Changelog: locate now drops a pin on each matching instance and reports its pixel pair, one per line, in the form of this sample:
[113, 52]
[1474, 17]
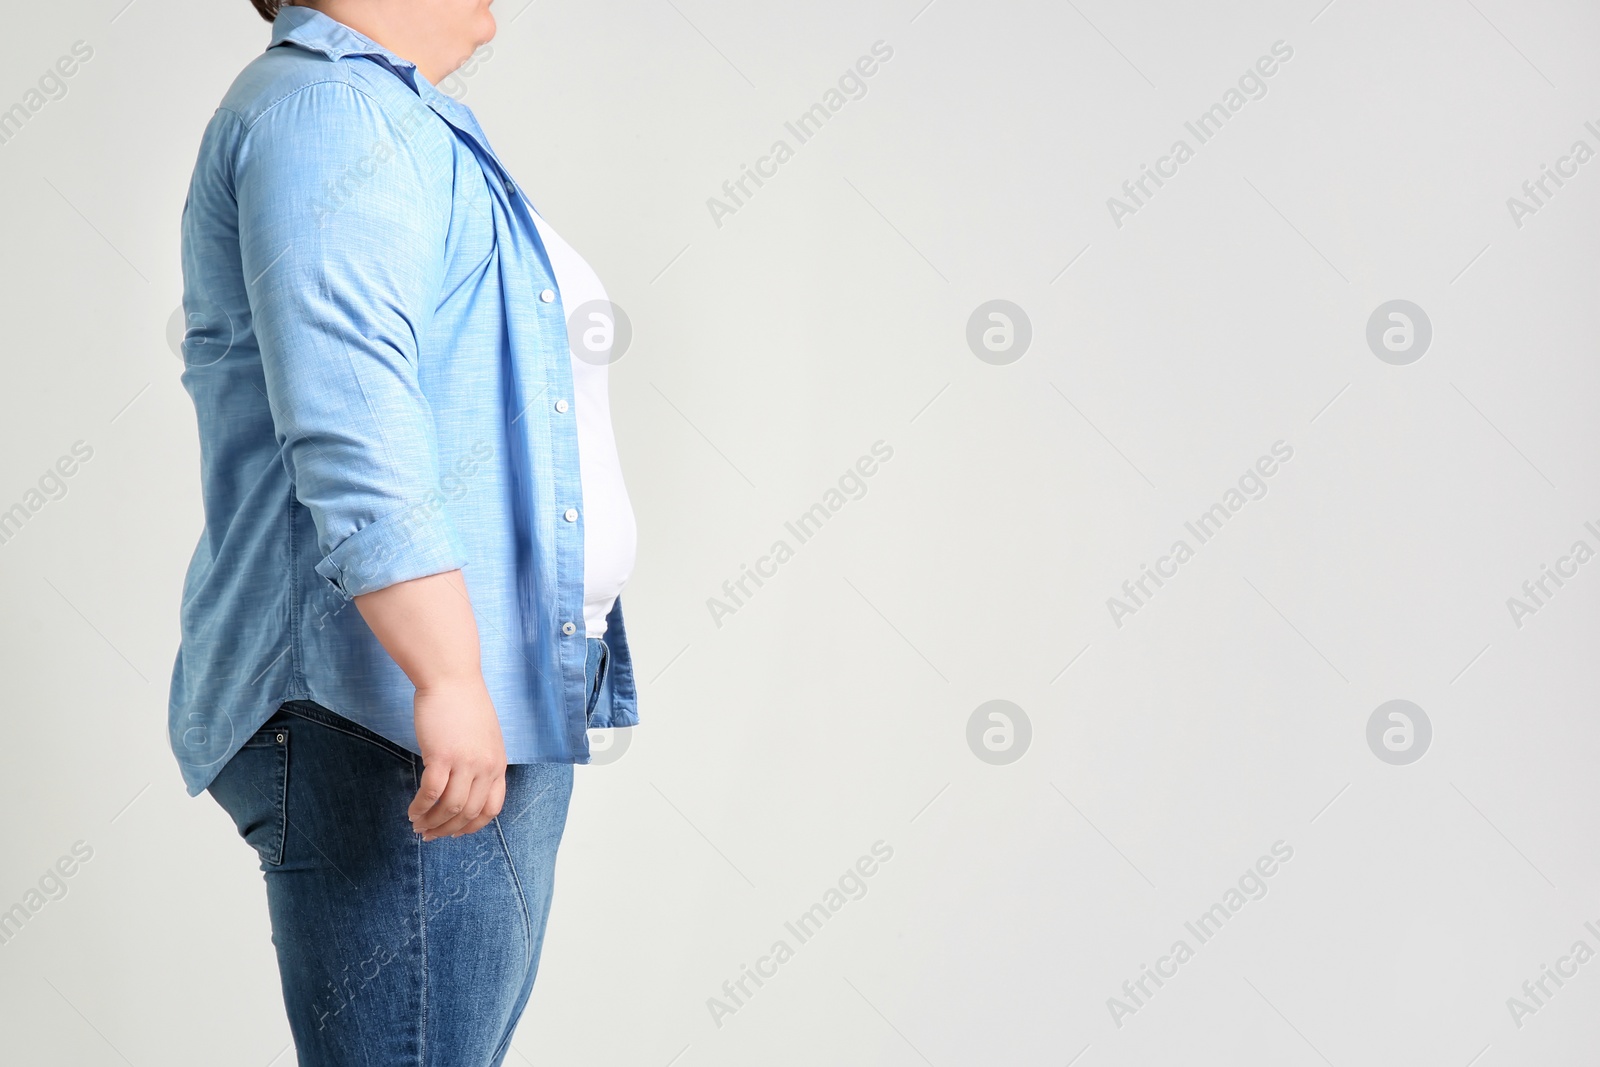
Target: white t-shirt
[610, 538]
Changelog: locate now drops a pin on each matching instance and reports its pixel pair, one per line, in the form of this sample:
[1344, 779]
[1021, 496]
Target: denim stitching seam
[522, 896]
[283, 801]
[527, 923]
[422, 940]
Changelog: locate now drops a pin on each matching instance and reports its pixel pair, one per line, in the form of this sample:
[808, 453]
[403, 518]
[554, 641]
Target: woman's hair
[267, 9]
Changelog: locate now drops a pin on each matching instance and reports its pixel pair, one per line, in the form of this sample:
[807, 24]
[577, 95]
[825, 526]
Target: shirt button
[571, 515]
[548, 295]
[568, 629]
[561, 406]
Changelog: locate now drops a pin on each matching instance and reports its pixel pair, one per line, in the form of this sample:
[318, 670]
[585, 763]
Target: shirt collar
[310, 29]
[316, 32]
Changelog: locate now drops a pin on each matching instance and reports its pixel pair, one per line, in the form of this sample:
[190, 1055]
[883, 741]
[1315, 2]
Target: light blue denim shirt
[378, 357]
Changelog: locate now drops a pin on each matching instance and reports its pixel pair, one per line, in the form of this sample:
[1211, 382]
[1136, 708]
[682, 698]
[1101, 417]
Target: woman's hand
[427, 626]
[464, 760]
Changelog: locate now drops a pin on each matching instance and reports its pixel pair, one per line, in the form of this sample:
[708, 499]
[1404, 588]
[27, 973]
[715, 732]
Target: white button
[568, 629]
[548, 295]
[571, 515]
[561, 406]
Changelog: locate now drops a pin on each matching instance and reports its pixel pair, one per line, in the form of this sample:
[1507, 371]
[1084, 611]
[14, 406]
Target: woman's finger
[477, 797]
[496, 801]
[451, 803]
[435, 777]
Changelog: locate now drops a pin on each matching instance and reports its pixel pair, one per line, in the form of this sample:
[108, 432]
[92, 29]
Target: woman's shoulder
[322, 88]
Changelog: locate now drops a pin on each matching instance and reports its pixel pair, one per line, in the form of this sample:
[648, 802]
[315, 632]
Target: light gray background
[831, 711]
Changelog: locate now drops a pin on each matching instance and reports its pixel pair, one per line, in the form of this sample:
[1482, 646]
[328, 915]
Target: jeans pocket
[604, 660]
[253, 789]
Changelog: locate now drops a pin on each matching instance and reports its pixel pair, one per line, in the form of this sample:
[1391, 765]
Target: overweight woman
[402, 616]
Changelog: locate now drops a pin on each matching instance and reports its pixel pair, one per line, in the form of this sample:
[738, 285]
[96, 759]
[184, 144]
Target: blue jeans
[393, 950]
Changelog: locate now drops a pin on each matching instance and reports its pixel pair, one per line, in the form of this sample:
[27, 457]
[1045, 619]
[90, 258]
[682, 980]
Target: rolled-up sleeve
[344, 211]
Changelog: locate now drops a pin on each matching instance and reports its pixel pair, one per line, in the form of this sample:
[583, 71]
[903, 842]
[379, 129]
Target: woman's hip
[391, 948]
